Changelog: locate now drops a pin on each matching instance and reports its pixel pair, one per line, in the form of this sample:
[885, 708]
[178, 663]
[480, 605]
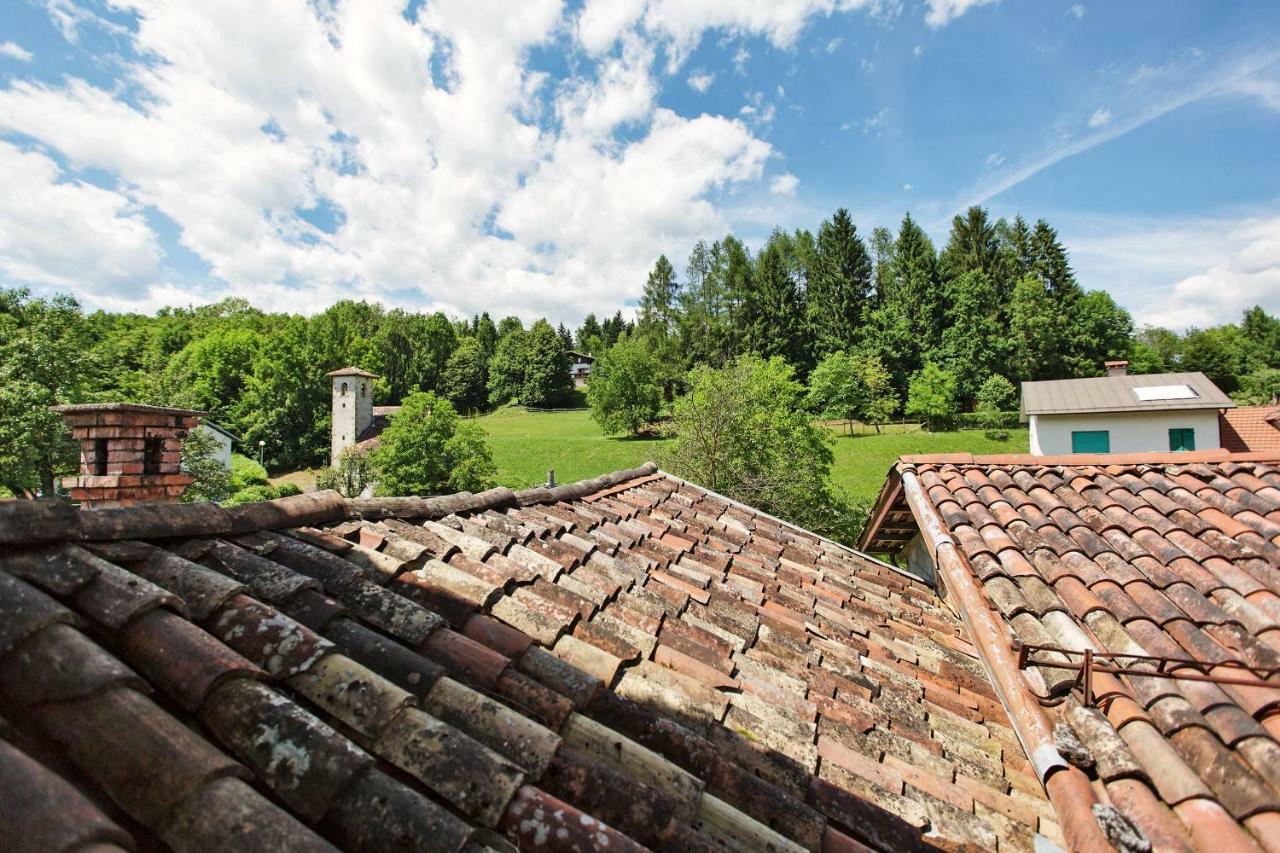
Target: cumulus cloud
[457, 177]
[56, 231]
[1078, 10]
[939, 13]
[1181, 272]
[784, 184]
[15, 51]
[1101, 117]
[700, 80]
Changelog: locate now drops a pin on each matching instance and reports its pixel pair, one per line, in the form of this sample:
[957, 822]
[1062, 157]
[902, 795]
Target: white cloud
[1101, 117]
[15, 51]
[907, 188]
[1180, 272]
[875, 123]
[834, 45]
[432, 140]
[757, 110]
[867, 65]
[700, 81]
[1149, 94]
[994, 159]
[784, 184]
[939, 13]
[740, 57]
[56, 231]
[68, 16]
[1078, 10]
[918, 50]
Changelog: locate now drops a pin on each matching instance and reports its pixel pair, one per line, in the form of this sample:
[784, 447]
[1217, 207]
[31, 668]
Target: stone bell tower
[352, 407]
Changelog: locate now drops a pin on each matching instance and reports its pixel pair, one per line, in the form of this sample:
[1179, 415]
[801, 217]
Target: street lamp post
[261, 445]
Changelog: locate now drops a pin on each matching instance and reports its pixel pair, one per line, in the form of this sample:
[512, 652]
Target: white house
[1119, 413]
[224, 438]
[580, 369]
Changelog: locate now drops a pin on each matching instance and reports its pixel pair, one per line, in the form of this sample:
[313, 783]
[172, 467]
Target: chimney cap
[140, 408]
[1120, 363]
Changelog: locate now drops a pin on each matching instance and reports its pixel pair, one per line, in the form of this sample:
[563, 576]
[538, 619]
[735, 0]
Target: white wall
[223, 453]
[1131, 432]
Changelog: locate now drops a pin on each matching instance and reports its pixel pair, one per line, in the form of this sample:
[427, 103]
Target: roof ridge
[34, 522]
[1077, 459]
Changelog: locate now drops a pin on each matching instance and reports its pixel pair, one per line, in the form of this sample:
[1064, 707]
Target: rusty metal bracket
[1087, 662]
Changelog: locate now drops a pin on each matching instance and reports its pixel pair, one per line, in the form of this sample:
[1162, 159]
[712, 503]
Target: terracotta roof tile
[1176, 558]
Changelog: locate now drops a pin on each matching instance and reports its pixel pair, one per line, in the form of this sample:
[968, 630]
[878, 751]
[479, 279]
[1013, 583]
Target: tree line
[872, 327]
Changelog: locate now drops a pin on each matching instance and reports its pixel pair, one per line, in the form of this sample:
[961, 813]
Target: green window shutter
[1091, 441]
[1182, 438]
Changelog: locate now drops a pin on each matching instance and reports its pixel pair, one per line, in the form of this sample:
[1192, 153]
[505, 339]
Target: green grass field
[526, 444]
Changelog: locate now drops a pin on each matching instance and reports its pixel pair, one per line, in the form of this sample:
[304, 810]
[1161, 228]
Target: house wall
[223, 453]
[1131, 432]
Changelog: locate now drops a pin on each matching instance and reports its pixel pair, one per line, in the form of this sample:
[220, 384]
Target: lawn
[526, 444]
[862, 461]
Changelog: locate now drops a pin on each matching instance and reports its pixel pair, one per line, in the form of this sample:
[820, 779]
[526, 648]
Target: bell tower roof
[352, 371]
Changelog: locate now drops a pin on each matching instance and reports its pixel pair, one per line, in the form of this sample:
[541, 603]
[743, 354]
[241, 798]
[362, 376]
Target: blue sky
[534, 159]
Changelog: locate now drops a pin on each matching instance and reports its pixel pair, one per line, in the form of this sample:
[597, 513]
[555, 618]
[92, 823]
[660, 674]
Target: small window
[99, 457]
[152, 455]
[344, 389]
[1091, 441]
[1182, 438]
[362, 389]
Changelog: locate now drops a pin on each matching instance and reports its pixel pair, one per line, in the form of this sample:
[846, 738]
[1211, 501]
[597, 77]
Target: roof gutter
[1068, 789]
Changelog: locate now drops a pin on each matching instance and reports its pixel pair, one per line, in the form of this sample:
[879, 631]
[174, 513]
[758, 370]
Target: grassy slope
[526, 444]
[863, 461]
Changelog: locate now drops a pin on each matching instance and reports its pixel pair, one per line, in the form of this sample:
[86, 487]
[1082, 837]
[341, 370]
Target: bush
[742, 431]
[352, 475]
[986, 420]
[245, 472]
[997, 435]
[427, 449]
[251, 494]
[997, 394]
[287, 490]
[931, 396]
[212, 481]
[624, 391]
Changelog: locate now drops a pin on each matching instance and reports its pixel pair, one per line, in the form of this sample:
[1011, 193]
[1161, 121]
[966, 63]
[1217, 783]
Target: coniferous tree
[838, 292]
[973, 245]
[775, 307]
[590, 334]
[486, 335]
[566, 336]
[658, 305]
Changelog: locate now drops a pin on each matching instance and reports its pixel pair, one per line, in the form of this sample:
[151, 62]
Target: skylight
[1165, 392]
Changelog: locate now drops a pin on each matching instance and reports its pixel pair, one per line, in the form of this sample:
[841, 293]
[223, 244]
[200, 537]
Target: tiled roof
[627, 661]
[368, 437]
[1175, 556]
[1250, 428]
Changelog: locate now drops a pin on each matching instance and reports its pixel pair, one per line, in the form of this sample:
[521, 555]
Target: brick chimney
[1116, 368]
[129, 453]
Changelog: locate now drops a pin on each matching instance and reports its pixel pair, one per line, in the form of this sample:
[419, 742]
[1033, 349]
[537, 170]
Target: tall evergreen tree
[658, 304]
[917, 292]
[882, 257]
[566, 336]
[973, 341]
[839, 289]
[973, 245]
[486, 335]
[1049, 264]
[590, 334]
[775, 307]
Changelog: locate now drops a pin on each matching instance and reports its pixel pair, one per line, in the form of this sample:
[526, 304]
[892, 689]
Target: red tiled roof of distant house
[1250, 428]
[631, 660]
[1175, 556]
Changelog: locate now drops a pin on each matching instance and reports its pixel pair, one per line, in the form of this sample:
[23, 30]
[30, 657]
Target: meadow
[525, 444]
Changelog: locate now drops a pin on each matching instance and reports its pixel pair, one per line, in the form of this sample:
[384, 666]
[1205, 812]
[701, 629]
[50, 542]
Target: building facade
[352, 411]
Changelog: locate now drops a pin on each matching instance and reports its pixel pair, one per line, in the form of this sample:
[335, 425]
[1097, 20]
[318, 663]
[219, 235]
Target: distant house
[1250, 429]
[1119, 413]
[224, 437]
[580, 370]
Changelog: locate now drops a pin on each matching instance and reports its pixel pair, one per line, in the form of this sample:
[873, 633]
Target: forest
[999, 300]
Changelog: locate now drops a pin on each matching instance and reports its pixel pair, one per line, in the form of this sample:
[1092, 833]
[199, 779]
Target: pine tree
[566, 336]
[775, 309]
[658, 305]
[590, 334]
[973, 245]
[917, 292]
[882, 255]
[1049, 264]
[838, 291]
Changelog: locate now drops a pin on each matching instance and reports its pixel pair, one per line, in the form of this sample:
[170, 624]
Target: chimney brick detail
[129, 453]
